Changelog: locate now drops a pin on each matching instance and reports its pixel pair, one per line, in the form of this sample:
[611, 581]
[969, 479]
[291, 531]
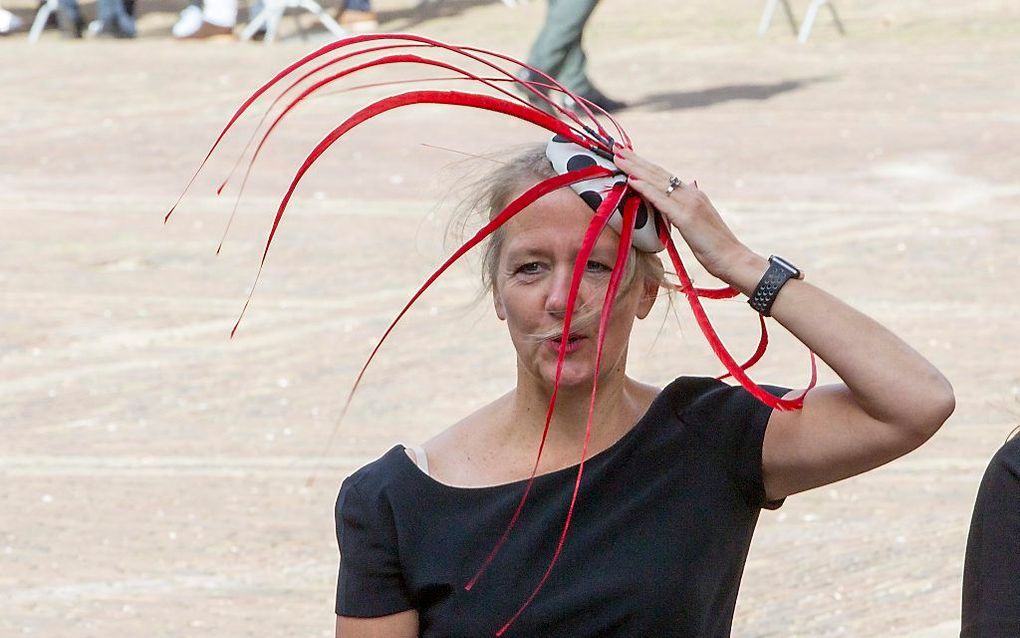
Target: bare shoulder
[455, 453]
[473, 428]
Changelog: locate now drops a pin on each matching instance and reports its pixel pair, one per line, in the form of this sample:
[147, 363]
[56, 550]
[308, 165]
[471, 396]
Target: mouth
[574, 341]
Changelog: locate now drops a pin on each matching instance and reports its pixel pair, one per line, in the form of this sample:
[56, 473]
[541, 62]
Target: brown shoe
[358, 21]
[210, 32]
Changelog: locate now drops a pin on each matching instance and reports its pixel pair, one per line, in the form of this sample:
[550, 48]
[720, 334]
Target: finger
[633, 164]
[635, 160]
[657, 197]
[644, 171]
[650, 166]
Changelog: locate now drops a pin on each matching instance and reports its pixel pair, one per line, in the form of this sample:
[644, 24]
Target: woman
[676, 477]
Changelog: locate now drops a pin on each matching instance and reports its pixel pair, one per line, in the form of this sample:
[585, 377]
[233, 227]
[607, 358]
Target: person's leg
[113, 19]
[557, 51]
[560, 40]
[573, 71]
[69, 18]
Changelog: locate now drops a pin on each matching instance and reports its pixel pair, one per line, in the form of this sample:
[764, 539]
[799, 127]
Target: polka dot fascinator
[566, 156]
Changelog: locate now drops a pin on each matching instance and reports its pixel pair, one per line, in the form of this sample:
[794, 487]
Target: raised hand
[688, 209]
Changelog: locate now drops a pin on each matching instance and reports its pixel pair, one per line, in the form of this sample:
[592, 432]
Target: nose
[558, 292]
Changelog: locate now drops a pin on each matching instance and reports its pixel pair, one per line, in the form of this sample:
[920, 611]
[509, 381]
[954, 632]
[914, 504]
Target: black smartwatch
[780, 271]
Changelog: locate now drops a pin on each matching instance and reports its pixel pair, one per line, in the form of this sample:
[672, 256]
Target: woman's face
[532, 284]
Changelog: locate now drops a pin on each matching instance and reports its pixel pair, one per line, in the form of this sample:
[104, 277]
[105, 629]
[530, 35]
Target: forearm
[888, 379]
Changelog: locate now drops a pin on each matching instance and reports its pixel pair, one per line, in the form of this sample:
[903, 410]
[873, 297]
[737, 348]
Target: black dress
[991, 570]
[657, 545]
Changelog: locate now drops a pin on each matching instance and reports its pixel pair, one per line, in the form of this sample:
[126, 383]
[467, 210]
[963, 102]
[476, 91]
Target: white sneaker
[9, 22]
[188, 23]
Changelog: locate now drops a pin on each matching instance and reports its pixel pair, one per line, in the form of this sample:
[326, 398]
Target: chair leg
[809, 20]
[835, 18]
[272, 14]
[327, 20]
[790, 20]
[812, 13]
[770, 10]
[766, 17]
[41, 16]
[273, 23]
[253, 25]
[256, 23]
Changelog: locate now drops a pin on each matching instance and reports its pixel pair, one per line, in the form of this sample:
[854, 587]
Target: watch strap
[779, 272]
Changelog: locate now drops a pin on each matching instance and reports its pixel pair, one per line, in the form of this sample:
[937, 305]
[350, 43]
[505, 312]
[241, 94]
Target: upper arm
[831, 438]
[400, 625]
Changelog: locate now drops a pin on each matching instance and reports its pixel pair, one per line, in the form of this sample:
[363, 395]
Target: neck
[615, 409]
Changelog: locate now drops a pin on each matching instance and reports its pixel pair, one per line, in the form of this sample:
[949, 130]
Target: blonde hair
[490, 194]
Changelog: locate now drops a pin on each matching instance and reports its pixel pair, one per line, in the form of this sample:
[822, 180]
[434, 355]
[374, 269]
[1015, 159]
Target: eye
[598, 267]
[530, 268]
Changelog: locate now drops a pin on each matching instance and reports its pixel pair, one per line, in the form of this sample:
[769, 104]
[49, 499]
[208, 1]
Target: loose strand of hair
[598, 223]
[623, 252]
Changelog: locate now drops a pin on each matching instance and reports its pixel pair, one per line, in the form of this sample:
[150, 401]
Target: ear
[649, 293]
[497, 302]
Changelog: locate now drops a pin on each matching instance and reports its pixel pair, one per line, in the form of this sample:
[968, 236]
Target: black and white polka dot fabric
[567, 156]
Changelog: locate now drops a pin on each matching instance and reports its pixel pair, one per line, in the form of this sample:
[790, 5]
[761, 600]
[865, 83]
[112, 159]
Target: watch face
[795, 273]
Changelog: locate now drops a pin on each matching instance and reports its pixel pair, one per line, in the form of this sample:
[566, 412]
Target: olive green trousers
[557, 49]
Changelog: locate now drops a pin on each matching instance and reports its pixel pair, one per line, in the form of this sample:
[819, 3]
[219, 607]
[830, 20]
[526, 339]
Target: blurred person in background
[991, 569]
[114, 19]
[357, 16]
[209, 20]
[216, 19]
[557, 51]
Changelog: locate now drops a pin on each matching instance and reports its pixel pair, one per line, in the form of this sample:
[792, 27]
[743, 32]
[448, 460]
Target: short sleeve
[733, 422]
[370, 582]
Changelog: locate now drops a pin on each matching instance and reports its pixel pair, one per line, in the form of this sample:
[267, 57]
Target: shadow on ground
[419, 12]
[678, 100]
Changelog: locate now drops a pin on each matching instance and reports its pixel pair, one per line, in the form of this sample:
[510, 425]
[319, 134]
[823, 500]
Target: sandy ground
[153, 471]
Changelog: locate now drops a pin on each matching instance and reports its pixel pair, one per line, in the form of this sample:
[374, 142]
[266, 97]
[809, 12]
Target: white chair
[770, 9]
[812, 13]
[804, 31]
[41, 16]
[273, 10]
